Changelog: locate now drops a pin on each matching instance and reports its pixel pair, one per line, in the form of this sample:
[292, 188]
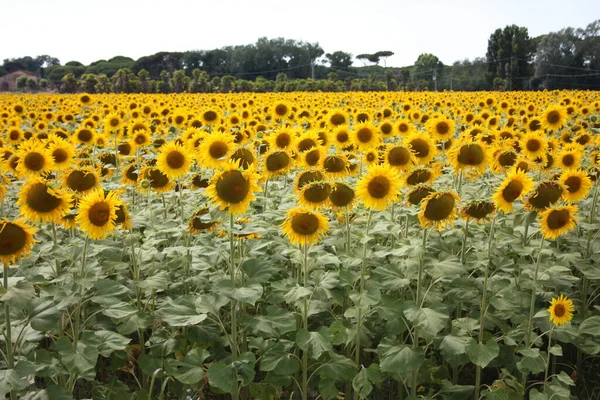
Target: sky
[87, 31]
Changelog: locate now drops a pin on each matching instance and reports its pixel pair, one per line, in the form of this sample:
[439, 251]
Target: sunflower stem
[9, 349]
[234, 350]
[463, 251]
[393, 236]
[460, 181]
[347, 218]
[483, 309]
[549, 357]
[181, 202]
[77, 326]
[362, 289]
[531, 310]
[305, 324]
[415, 343]
[138, 295]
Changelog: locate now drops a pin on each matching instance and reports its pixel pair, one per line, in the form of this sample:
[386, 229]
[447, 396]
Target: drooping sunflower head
[335, 166]
[577, 184]
[421, 175]
[16, 240]
[556, 221]
[342, 196]
[561, 310]
[200, 222]
[304, 227]
[438, 210]
[39, 202]
[81, 180]
[277, 163]
[174, 160]
[379, 187]
[516, 184]
[315, 195]
[233, 189]
[418, 193]
[478, 210]
[156, 180]
[97, 213]
[306, 177]
[245, 157]
[545, 194]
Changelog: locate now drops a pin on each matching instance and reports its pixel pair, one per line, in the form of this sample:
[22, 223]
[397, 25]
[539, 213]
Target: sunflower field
[300, 246]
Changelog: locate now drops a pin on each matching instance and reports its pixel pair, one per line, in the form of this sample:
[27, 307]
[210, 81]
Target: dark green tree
[509, 56]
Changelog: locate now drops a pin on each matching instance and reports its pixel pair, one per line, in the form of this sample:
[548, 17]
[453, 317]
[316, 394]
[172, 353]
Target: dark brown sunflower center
[362, 117]
[534, 125]
[312, 157]
[442, 128]
[308, 177]
[568, 160]
[342, 137]
[305, 224]
[334, 164]
[232, 187]
[559, 310]
[210, 116]
[547, 193]
[337, 119]
[573, 184]
[99, 214]
[108, 158]
[512, 191]
[277, 161]
[283, 140]
[403, 128]
[507, 159]
[218, 150]
[131, 174]
[416, 196]
[60, 155]
[281, 110]
[420, 148]
[317, 193]
[200, 182]
[306, 144]
[398, 156]
[244, 156]
[140, 139]
[114, 122]
[553, 117]
[480, 209]
[121, 216]
[439, 208]
[558, 219]
[364, 135]
[379, 187]
[38, 199]
[533, 145]
[81, 181]
[180, 119]
[342, 195]
[386, 128]
[12, 239]
[124, 149]
[418, 176]
[157, 178]
[471, 154]
[175, 159]
[198, 225]
[14, 135]
[85, 135]
[34, 161]
[372, 156]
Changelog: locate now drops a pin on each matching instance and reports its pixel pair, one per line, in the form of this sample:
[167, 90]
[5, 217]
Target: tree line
[569, 58]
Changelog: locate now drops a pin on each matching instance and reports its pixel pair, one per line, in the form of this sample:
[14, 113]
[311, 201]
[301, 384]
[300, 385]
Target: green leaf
[119, 310]
[18, 294]
[428, 319]
[296, 294]
[482, 353]
[448, 269]
[43, 314]
[328, 390]
[339, 368]
[590, 326]
[313, 342]
[532, 361]
[364, 380]
[258, 271]
[390, 277]
[341, 333]
[210, 303]
[190, 370]
[109, 292]
[245, 294]
[222, 377]
[453, 346]
[180, 312]
[277, 322]
[155, 283]
[135, 322]
[55, 392]
[111, 341]
[277, 360]
[370, 297]
[402, 359]
[79, 359]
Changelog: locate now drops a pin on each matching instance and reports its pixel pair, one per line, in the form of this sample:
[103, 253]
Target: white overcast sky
[87, 31]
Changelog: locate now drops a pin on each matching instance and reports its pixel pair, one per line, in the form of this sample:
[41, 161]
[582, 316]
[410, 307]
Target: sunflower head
[40, 202]
[478, 210]
[438, 209]
[556, 221]
[379, 187]
[577, 184]
[174, 160]
[513, 188]
[233, 188]
[16, 240]
[545, 194]
[97, 214]
[304, 227]
[561, 310]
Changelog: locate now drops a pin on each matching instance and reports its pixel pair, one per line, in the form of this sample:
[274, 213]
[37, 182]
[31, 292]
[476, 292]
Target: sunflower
[379, 188]
[277, 163]
[140, 138]
[386, 129]
[561, 310]
[365, 136]
[372, 157]
[422, 147]
[418, 193]
[341, 196]
[215, 150]
[112, 122]
[173, 160]
[307, 141]
[14, 135]
[245, 157]
[421, 175]
[554, 117]
[281, 110]
[198, 223]
[282, 139]
[556, 221]
[545, 194]
[335, 166]
[570, 157]
[123, 219]
[405, 127]
[306, 177]
[468, 154]
[341, 137]
[441, 128]
[315, 195]
[337, 118]
[438, 210]
[533, 145]
[209, 117]
[233, 189]
[504, 159]
[576, 183]
[398, 157]
[62, 153]
[40, 202]
[304, 227]
[97, 213]
[16, 240]
[84, 135]
[34, 160]
[478, 210]
[513, 188]
[81, 180]
[157, 180]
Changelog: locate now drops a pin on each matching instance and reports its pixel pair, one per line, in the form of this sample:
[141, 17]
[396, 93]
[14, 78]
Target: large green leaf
[190, 370]
[43, 314]
[277, 322]
[429, 320]
[109, 292]
[364, 380]
[402, 359]
[276, 359]
[221, 376]
[245, 294]
[390, 277]
[338, 368]
[452, 346]
[111, 341]
[79, 359]
[296, 294]
[313, 342]
[590, 326]
[18, 294]
[180, 312]
[258, 271]
[482, 353]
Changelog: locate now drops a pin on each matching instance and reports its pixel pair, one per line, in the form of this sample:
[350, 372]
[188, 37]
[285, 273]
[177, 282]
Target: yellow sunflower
[556, 221]
[39, 202]
[468, 154]
[174, 160]
[533, 145]
[282, 139]
[561, 310]
[478, 210]
[441, 128]
[233, 189]
[379, 188]
[516, 184]
[16, 240]
[157, 180]
[438, 210]
[62, 153]
[545, 194]
[422, 146]
[215, 150]
[34, 160]
[315, 195]
[577, 185]
[341, 197]
[570, 157]
[365, 136]
[277, 163]
[81, 180]
[398, 157]
[304, 227]
[97, 213]
[554, 117]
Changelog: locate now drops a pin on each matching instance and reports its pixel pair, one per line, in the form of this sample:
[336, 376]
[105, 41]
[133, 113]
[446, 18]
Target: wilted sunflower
[504, 159]
[398, 157]
[545, 194]
[97, 213]
[422, 146]
[418, 193]
[468, 154]
[478, 210]
[556, 221]
[34, 160]
[306, 177]
[379, 188]
[576, 183]
[513, 188]
[40, 202]
[199, 224]
[421, 175]
[157, 180]
[554, 117]
[215, 150]
[81, 180]
[304, 227]
[233, 189]
[277, 163]
[561, 310]
[16, 240]
[441, 128]
[315, 195]
[335, 166]
[174, 160]
[438, 210]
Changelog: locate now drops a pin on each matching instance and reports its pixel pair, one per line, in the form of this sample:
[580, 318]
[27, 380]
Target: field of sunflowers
[300, 246]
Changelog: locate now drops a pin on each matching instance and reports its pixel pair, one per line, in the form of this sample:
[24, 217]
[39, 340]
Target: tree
[69, 83]
[88, 83]
[363, 58]
[509, 56]
[384, 54]
[43, 84]
[427, 68]
[21, 82]
[144, 78]
[179, 81]
[31, 84]
[103, 85]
